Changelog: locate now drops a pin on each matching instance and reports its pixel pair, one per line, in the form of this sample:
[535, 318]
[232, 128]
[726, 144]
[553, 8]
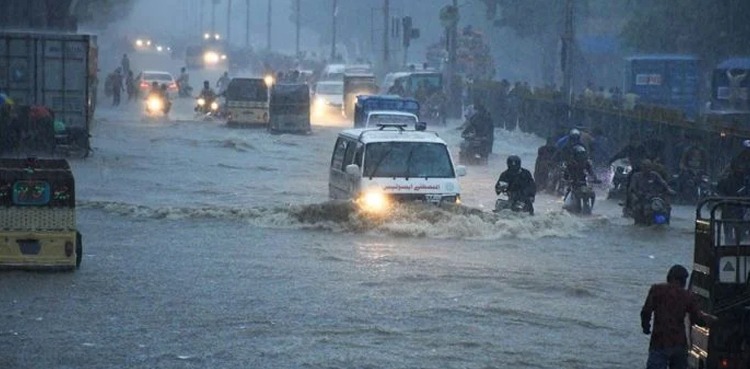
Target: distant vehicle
[378, 117]
[38, 215]
[212, 53]
[671, 81]
[357, 85]
[328, 98]
[358, 69]
[367, 104]
[146, 45]
[247, 102]
[145, 80]
[290, 108]
[719, 283]
[376, 167]
[333, 72]
[390, 80]
[720, 85]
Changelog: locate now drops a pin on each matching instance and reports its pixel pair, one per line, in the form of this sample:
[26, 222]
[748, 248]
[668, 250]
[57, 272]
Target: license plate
[433, 198]
[29, 247]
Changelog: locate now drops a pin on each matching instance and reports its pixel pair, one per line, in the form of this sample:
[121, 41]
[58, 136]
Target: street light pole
[213, 17]
[268, 25]
[386, 34]
[229, 20]
[247, 23]
[333, 38]
[297, 9]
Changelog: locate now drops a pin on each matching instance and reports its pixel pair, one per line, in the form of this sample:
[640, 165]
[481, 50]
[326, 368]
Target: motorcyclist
[208, 95]
[481, 127]
[517, 182]
[742, 159]
[165, 98]
[736, 181]
[646, 184]
[544, 162]
[634, 151]
[566, 145]
[693, 164]
[578, 169]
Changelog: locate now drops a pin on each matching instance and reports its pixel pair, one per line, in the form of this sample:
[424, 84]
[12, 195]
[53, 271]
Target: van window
[337, 161]
[349, 157]
[407, 159]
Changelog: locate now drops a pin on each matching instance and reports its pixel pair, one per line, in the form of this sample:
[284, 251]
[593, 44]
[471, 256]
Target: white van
[379, 165]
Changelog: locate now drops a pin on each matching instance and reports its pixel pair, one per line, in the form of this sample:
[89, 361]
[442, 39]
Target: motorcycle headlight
[214, 105]
[374, 202]
[211, 57]
[201, 102]
[155, 104]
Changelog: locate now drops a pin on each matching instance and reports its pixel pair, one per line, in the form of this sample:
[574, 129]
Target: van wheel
[79, 249]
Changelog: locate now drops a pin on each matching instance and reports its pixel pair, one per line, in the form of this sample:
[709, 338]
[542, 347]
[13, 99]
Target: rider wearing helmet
[566, 145]
[578, 167]
[517, 182]
[736, 182]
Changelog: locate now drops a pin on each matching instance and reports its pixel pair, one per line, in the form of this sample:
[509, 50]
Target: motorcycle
[472, 150]
[579, 198]
[157, 105]
[693, 186]
[620, 171]
[208, 108]
[653, 210]
[512, 202]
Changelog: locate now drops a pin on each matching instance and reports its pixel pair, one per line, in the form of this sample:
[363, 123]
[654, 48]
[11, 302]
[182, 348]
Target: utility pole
[386, 34]
[229, 20]
[213, 18]
[268, 26]
[567, 49]
[333, 41]
[297, 9]
[201, 9]
[247, 24]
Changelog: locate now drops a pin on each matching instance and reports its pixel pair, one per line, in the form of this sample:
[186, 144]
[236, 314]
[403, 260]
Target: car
[375, 167]
[333, 72]
[146, 78]
[329, 97]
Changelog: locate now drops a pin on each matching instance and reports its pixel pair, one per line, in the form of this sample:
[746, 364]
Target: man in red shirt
[669, 303]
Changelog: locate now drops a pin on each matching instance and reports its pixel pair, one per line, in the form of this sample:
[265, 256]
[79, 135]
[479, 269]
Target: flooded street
[208, 247]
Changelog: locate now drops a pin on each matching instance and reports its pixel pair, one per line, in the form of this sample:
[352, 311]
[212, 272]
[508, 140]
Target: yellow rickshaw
[247, 102]
[37, 215]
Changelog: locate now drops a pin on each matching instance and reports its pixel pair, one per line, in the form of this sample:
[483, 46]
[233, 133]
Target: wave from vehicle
[406, 220]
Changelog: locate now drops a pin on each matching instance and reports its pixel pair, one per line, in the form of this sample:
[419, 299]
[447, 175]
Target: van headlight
[214, 105]
[374, 202]
[201, 101]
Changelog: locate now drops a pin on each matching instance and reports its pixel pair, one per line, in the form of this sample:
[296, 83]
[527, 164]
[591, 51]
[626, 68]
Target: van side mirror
[353, 170]
[460, 170]
[420, 126]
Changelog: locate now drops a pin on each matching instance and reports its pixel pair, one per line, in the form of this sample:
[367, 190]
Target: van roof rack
[400, 126]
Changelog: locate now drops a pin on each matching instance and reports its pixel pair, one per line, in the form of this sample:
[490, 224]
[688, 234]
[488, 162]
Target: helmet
[677, 273]
[206, 84]
[154, 84]
[746, 144]
[163, 87]
[514, 163]
[579, 152]
[575, 134]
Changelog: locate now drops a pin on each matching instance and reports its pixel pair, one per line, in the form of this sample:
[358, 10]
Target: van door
[337, 181]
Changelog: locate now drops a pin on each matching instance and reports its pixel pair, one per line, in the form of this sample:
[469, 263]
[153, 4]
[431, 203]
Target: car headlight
[214, 105]
[223, 57]
[155, 104]
[139, 43]
[321, 101]
[269, 80]
[211, 57]
[374, 202]
[201, 101]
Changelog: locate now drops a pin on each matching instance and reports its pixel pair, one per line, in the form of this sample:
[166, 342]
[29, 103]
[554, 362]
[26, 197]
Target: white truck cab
[377, 166]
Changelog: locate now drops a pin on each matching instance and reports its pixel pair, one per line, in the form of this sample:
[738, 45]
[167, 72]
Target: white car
[329, 97]
[145, 79]
[375, 167]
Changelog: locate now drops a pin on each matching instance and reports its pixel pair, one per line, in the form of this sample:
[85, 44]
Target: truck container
[665, 80]
[57, 70]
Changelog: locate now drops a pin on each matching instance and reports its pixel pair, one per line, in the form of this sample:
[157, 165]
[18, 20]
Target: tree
[710, 29]
[540, 20]
[99, 13]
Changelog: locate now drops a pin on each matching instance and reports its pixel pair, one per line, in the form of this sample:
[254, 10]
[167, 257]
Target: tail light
[724, 363]
[173, 86]
[144, 84]
[68, 249]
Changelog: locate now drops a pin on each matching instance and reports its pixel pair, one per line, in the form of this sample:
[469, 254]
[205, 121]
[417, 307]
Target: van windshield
[407, 159]
[247, 90]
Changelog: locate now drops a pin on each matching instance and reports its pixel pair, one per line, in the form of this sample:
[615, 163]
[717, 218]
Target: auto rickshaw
[290, 108]
[247, 102]
[38, 216]
[369, 103]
